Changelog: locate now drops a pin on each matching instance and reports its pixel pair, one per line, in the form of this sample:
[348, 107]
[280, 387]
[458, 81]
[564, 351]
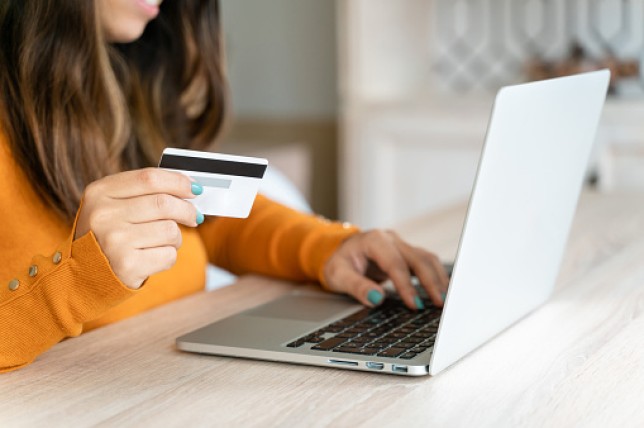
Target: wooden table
[577, 361]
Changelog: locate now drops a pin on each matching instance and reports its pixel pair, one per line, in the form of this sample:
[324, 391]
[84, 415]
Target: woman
[91, 92]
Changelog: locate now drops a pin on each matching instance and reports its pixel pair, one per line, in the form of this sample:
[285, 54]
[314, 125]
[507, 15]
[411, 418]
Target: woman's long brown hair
[76, 108]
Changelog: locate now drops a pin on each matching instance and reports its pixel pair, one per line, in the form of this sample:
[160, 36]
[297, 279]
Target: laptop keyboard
[390, 330]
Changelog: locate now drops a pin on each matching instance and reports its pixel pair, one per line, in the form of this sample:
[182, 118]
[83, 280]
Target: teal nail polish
[419, 303]
[197, 189]
[375, 297]
[443, 295]
[200, 217]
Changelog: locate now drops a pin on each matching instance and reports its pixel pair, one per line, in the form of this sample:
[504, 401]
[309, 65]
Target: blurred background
[282, 67]
[376, 110]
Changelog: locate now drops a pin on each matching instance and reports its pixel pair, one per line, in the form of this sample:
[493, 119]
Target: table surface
[578, 360]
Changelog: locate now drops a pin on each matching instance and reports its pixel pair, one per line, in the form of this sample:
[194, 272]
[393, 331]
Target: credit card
[229, 182]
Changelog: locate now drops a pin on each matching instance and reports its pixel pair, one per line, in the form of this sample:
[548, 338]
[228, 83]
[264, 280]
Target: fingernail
[443, 295]
[196, 189]
[419, 303]
[375, 297]
[200, 217]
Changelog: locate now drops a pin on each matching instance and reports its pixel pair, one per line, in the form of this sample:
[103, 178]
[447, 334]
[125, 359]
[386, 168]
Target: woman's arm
[54, 278]
[281, 242]
[49, 284]
[73, 285]
[274, 240]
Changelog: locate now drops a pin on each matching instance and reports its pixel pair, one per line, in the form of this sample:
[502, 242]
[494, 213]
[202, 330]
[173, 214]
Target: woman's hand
[364, 260]
[135, 216]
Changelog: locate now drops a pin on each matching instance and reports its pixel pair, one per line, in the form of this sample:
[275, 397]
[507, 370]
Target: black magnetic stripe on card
[213, 166]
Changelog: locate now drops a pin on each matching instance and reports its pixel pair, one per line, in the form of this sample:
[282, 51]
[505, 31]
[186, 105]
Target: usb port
[375, 366]
[398, 369]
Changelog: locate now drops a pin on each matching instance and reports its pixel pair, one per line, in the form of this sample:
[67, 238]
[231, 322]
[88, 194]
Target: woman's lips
[150, 7]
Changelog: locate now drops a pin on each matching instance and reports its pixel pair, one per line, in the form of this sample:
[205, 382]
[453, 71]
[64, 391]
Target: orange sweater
[52, 287]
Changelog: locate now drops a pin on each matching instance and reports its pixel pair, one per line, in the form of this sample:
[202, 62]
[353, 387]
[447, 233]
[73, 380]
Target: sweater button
[14, 284]
[33, 270]
[57, 257]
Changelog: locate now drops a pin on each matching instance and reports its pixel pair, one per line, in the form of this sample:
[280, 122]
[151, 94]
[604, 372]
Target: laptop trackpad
[304, 308]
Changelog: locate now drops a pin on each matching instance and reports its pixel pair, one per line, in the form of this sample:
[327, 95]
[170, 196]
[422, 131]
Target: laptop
[529, 178]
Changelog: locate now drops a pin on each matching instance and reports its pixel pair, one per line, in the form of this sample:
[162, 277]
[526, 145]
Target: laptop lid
[530, 175]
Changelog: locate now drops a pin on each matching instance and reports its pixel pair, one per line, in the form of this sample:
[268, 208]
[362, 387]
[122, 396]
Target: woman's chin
[124, 34]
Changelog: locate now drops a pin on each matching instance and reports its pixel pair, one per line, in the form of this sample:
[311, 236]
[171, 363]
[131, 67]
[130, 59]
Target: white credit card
[229, 182]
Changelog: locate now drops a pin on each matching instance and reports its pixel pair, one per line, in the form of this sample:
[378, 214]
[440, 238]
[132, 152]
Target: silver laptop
[529, 178]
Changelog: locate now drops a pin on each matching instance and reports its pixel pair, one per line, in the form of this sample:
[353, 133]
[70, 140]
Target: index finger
[429, 271]
[389, 259]
[150, 181]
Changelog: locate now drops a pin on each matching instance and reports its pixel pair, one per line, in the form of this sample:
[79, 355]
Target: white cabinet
[403, 161]
[620, 148]
[409, 147]
[405, 150]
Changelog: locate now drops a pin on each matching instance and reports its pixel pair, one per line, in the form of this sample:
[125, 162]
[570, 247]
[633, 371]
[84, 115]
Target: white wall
[282, 58]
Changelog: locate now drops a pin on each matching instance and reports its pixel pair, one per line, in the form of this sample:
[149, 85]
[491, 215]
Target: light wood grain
[577, 361]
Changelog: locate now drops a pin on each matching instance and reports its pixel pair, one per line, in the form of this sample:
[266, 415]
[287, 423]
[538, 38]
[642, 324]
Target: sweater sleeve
[47, 289]
[73, 285]
[274, 240]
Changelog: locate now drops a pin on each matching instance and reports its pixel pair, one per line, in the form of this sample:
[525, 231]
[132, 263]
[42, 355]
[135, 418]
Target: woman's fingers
[163, 233]
[347, 270]
[438, 268]
[382, 250]
[428, 271]
[146, 181]
[161, 206]
[155, 260]
[134, 216]
[345, 279]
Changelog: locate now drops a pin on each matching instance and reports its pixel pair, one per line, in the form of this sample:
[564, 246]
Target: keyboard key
[329, 344]
[340, 325]
[405, 317]
[408, 355]
[395, 335]
[389, 325]
[364, 313]
[362, 327]
[296, 344]
[427, 342]
[358, 351]
[347, 350]
[379, 317]
[392, 352]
